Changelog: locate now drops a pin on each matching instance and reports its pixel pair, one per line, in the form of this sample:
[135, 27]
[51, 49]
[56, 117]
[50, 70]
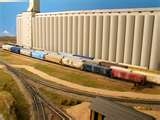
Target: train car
[26, 52]
[73, 62]
[150, 77]
[128, 75]
[102, 70]
[89, 67]
[38, 54]
[106, 63]
[54, 57]
[15, 49]
[65, 54]
[83, 57]
[134, 67]
[7, 47]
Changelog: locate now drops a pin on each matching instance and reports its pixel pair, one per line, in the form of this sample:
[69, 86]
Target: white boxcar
[53, 57]
[26, 52]
[7, 47]
[73, 62]
[151, 77]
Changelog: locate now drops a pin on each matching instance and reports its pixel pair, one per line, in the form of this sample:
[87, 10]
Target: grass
[14, 59]
[59, 99]
[80, 77]
[66, 73]
[7, 106]
[7, 83]
[76, 76]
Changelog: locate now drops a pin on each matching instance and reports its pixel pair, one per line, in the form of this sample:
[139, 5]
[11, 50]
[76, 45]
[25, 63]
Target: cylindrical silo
[33, 32]
[43, 33]
[121, 38]
[99, 32]
[129, 39]
[113, 38]
[147, 40]
[36, 32]
[51, 33]
[40, 33]
[55, 33]
[105, 37]
[69, 37]
[75, 35]
[92, 35]
[155, 55]
[138, 37]
[17, 30]
[60, 36]
[65, 33]
[86, 36]
[47, 23]
[80, 34]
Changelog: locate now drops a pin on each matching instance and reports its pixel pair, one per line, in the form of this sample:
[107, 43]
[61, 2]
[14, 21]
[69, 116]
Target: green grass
[58, 99]
[7, 105]
[7, 83]
[82, 78]
[75, 76]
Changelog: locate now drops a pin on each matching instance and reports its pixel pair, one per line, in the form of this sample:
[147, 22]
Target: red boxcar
[128, 75]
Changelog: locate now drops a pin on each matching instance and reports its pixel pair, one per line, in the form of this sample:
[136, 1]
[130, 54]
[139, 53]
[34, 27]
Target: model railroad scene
[83, 85]
[101, 64]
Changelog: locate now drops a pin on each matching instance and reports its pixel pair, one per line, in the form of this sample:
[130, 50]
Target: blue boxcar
[88, 67]
[15, 50]
[102, 70]
[85, 57]
[38, 54]
[97, 69]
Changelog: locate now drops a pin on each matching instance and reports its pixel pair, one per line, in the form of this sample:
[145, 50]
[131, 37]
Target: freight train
[89, 64]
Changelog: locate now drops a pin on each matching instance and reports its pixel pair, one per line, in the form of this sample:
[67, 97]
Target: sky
[9, 10]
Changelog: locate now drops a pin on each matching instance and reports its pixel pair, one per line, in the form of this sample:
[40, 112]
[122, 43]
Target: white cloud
[5, 33]
[13, 0]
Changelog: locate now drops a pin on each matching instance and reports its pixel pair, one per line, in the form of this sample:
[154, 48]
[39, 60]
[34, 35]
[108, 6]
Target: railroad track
[126, 101]
[56, 86]
[39, 102]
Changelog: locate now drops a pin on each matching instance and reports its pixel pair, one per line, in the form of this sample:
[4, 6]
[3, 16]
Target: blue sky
[8, 11]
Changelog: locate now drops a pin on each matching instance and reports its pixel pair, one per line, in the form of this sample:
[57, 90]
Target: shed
[108, 110]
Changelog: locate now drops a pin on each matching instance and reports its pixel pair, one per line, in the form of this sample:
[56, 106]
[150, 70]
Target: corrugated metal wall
[126, 37]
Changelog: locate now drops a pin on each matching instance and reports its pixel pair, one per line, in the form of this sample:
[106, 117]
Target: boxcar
[53, 57]
[108, 64]
[97, 69]
[134, 67]
[128, 76]
[15, 50]
[38, 54]
[26, 52]
[65, 54]
[88, 67]
[73, 62]
[7, 47]
[102, 70]
[83, 57]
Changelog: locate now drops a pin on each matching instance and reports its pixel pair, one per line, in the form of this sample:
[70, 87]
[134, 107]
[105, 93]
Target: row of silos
[124, 37]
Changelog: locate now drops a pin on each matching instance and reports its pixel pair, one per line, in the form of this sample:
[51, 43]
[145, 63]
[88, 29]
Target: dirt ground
[80, 112]
[133, 95]
[76, 76]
